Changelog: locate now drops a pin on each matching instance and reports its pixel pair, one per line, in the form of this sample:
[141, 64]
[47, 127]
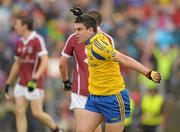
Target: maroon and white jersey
[80, 75]
[29, 52]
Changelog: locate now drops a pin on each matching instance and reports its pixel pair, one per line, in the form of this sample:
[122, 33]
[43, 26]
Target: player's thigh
[114, 127]
[78, 113]
[36, 105]
[36, 100]
[88, 121]
[77, 104]
[21, 104]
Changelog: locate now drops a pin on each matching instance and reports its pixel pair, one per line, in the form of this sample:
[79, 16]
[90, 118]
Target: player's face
[82, 33]
[19, 27]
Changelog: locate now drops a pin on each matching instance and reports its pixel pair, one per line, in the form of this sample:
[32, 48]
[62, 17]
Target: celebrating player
[80, 77]
[108, 99]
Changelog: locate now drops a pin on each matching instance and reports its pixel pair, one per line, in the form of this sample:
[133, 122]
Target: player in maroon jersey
[31, 57]
[80, 76]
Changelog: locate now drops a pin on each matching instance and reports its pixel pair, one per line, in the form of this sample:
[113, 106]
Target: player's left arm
[130, 63]
[104, 49]
[135, 65]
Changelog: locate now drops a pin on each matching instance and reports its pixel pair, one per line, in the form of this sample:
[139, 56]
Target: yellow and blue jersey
[104, 74]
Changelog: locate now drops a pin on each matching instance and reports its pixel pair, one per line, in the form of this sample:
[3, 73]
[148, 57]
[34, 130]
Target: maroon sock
[56, 129]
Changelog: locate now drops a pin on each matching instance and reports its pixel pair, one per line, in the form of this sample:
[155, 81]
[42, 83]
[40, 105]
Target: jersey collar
[31, 36]
[89, 40]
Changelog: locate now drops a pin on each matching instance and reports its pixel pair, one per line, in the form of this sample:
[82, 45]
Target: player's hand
[31, 85]
[6, 91]
[67, 85]
[154, 76]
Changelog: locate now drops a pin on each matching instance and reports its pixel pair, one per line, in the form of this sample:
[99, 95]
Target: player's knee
[20, 112]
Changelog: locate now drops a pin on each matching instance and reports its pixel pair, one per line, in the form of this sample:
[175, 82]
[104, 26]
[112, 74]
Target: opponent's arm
[32, 84]
[42, 67]
[13, 74]
[64, 73]
[63, 67]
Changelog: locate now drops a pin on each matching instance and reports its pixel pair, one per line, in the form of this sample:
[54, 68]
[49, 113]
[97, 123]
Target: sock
[56, 129]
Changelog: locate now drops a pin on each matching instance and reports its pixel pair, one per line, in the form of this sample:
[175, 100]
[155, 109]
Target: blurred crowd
[147, 30]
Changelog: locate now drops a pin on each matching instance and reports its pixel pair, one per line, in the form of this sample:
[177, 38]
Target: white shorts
[20, 90]
[77, 101]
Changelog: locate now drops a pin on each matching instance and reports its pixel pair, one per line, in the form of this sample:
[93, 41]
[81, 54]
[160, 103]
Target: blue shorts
[114, 108]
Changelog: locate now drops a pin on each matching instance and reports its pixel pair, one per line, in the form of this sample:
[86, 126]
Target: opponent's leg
[37, 111]
[20, 112]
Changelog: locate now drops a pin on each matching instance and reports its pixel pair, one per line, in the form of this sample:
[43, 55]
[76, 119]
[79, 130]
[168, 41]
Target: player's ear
[25, 26]
[91, 30]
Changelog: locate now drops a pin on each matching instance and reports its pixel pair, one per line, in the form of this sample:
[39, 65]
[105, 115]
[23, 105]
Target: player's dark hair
[77, 11]
[96, 15]
[26, 20]
[87, 20]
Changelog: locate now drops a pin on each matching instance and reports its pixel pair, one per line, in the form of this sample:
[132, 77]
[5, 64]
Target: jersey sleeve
[102, 49]
[17, 55]
[41, 47]
[68, 48]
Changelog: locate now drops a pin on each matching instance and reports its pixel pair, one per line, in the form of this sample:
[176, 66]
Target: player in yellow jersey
[108, 99]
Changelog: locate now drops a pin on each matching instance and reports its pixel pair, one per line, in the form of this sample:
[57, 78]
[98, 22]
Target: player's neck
[99, 29]
[26, 34]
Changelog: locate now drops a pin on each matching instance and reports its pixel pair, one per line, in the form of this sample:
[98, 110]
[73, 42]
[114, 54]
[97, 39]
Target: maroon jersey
[29, 52]
[80, 75]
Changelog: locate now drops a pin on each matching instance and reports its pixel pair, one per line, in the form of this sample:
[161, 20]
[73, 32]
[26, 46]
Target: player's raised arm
[135, 65]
